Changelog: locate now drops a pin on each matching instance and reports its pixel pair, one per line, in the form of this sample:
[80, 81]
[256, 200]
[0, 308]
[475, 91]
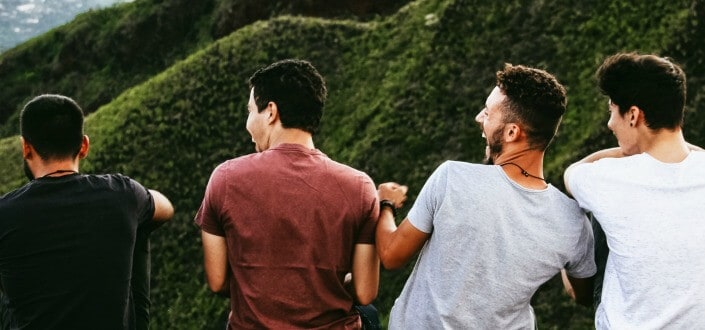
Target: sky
[21, 20]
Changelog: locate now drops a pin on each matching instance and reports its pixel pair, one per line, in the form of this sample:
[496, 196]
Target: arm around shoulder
[605, 153]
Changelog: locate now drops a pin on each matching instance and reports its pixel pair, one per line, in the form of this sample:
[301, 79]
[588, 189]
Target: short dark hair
[298, 90]
[535, 99]
[53, 125]
[654, 84]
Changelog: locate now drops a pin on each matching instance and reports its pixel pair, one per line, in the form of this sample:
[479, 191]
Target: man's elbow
[366, 298]
[392, 264]
[163, 209]
[215, 288]
[218, 286]
[390, 261]
[167, 213]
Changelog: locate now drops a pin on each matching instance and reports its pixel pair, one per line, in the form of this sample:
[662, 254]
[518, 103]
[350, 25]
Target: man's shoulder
[460, 165]
[240, 164]
[454, 168]
[112, 183]
[698, 156]
[109, 179]
[13, 194]
[607, 169]
[346, 169]
[565, 202]
[346, 176]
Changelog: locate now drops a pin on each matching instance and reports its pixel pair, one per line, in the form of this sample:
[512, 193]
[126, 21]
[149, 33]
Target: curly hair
[535, 100]
[654, 84]
[298, 90]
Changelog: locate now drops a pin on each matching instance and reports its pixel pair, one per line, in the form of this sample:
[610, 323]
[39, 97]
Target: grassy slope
[102, 53]
[404, 92]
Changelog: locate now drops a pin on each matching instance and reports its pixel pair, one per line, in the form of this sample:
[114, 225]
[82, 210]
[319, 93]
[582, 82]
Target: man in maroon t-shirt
[281, 228]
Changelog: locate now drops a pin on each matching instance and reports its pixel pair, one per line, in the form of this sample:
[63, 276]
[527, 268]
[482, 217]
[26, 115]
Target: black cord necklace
[523, 171]
[59, 171]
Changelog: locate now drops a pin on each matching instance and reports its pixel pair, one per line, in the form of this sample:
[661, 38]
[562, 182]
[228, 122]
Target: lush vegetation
[104, 52]
[404, 89]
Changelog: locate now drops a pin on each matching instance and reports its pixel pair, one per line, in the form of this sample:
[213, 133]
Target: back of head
[653, 84]
[298, 90]
[535, 100]
[53, 125]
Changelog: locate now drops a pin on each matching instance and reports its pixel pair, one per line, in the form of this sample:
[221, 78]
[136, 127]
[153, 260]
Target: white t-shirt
[492, 244]
[653, 215]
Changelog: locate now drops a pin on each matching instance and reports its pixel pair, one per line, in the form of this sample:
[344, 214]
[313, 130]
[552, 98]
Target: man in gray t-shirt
[490, 235]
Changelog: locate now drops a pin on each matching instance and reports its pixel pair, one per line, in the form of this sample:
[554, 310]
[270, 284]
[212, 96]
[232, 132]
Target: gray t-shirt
[492, 244]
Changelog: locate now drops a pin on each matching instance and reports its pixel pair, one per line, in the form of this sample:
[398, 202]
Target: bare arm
[566, 284]
[396, 246]
[215, 260]
[615, 152]
[163, 210]
[365, 273]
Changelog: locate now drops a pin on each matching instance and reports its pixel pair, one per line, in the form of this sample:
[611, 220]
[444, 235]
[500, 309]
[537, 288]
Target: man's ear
[512, 132]
[273, 113]
[635, 115]
[85, 145]
[27, 149]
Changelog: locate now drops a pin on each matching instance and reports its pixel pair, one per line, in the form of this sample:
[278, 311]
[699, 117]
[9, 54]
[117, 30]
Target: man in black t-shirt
[67, 239]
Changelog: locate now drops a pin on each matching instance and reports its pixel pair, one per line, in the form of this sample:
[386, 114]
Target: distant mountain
[24, 19]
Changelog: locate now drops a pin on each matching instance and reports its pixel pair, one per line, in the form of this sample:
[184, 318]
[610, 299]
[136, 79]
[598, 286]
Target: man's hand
[393, 192]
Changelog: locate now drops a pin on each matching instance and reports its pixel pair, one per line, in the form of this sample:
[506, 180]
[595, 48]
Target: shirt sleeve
[370, 214]
[144, 202]
[581, 183]
[430, 199]
[208, 217]
[582, 265]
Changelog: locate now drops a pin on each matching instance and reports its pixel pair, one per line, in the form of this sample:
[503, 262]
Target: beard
[27, 170]
[487, 160]
[494, 147]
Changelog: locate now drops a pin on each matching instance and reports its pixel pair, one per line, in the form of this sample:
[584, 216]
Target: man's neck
[665, 145]
[292, 136]
[525, 167]
[56, 168]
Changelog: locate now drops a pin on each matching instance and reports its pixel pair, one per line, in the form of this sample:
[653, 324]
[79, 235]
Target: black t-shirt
[66, 248]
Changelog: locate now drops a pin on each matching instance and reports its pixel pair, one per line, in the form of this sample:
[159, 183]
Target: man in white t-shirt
[648, 195]
[489, 235]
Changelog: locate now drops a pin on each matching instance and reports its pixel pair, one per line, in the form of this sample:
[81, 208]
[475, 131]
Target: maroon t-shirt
[291, 218]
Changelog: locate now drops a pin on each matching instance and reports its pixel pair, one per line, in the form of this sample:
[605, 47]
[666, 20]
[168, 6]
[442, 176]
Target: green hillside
[104, 52]
[404, 90]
